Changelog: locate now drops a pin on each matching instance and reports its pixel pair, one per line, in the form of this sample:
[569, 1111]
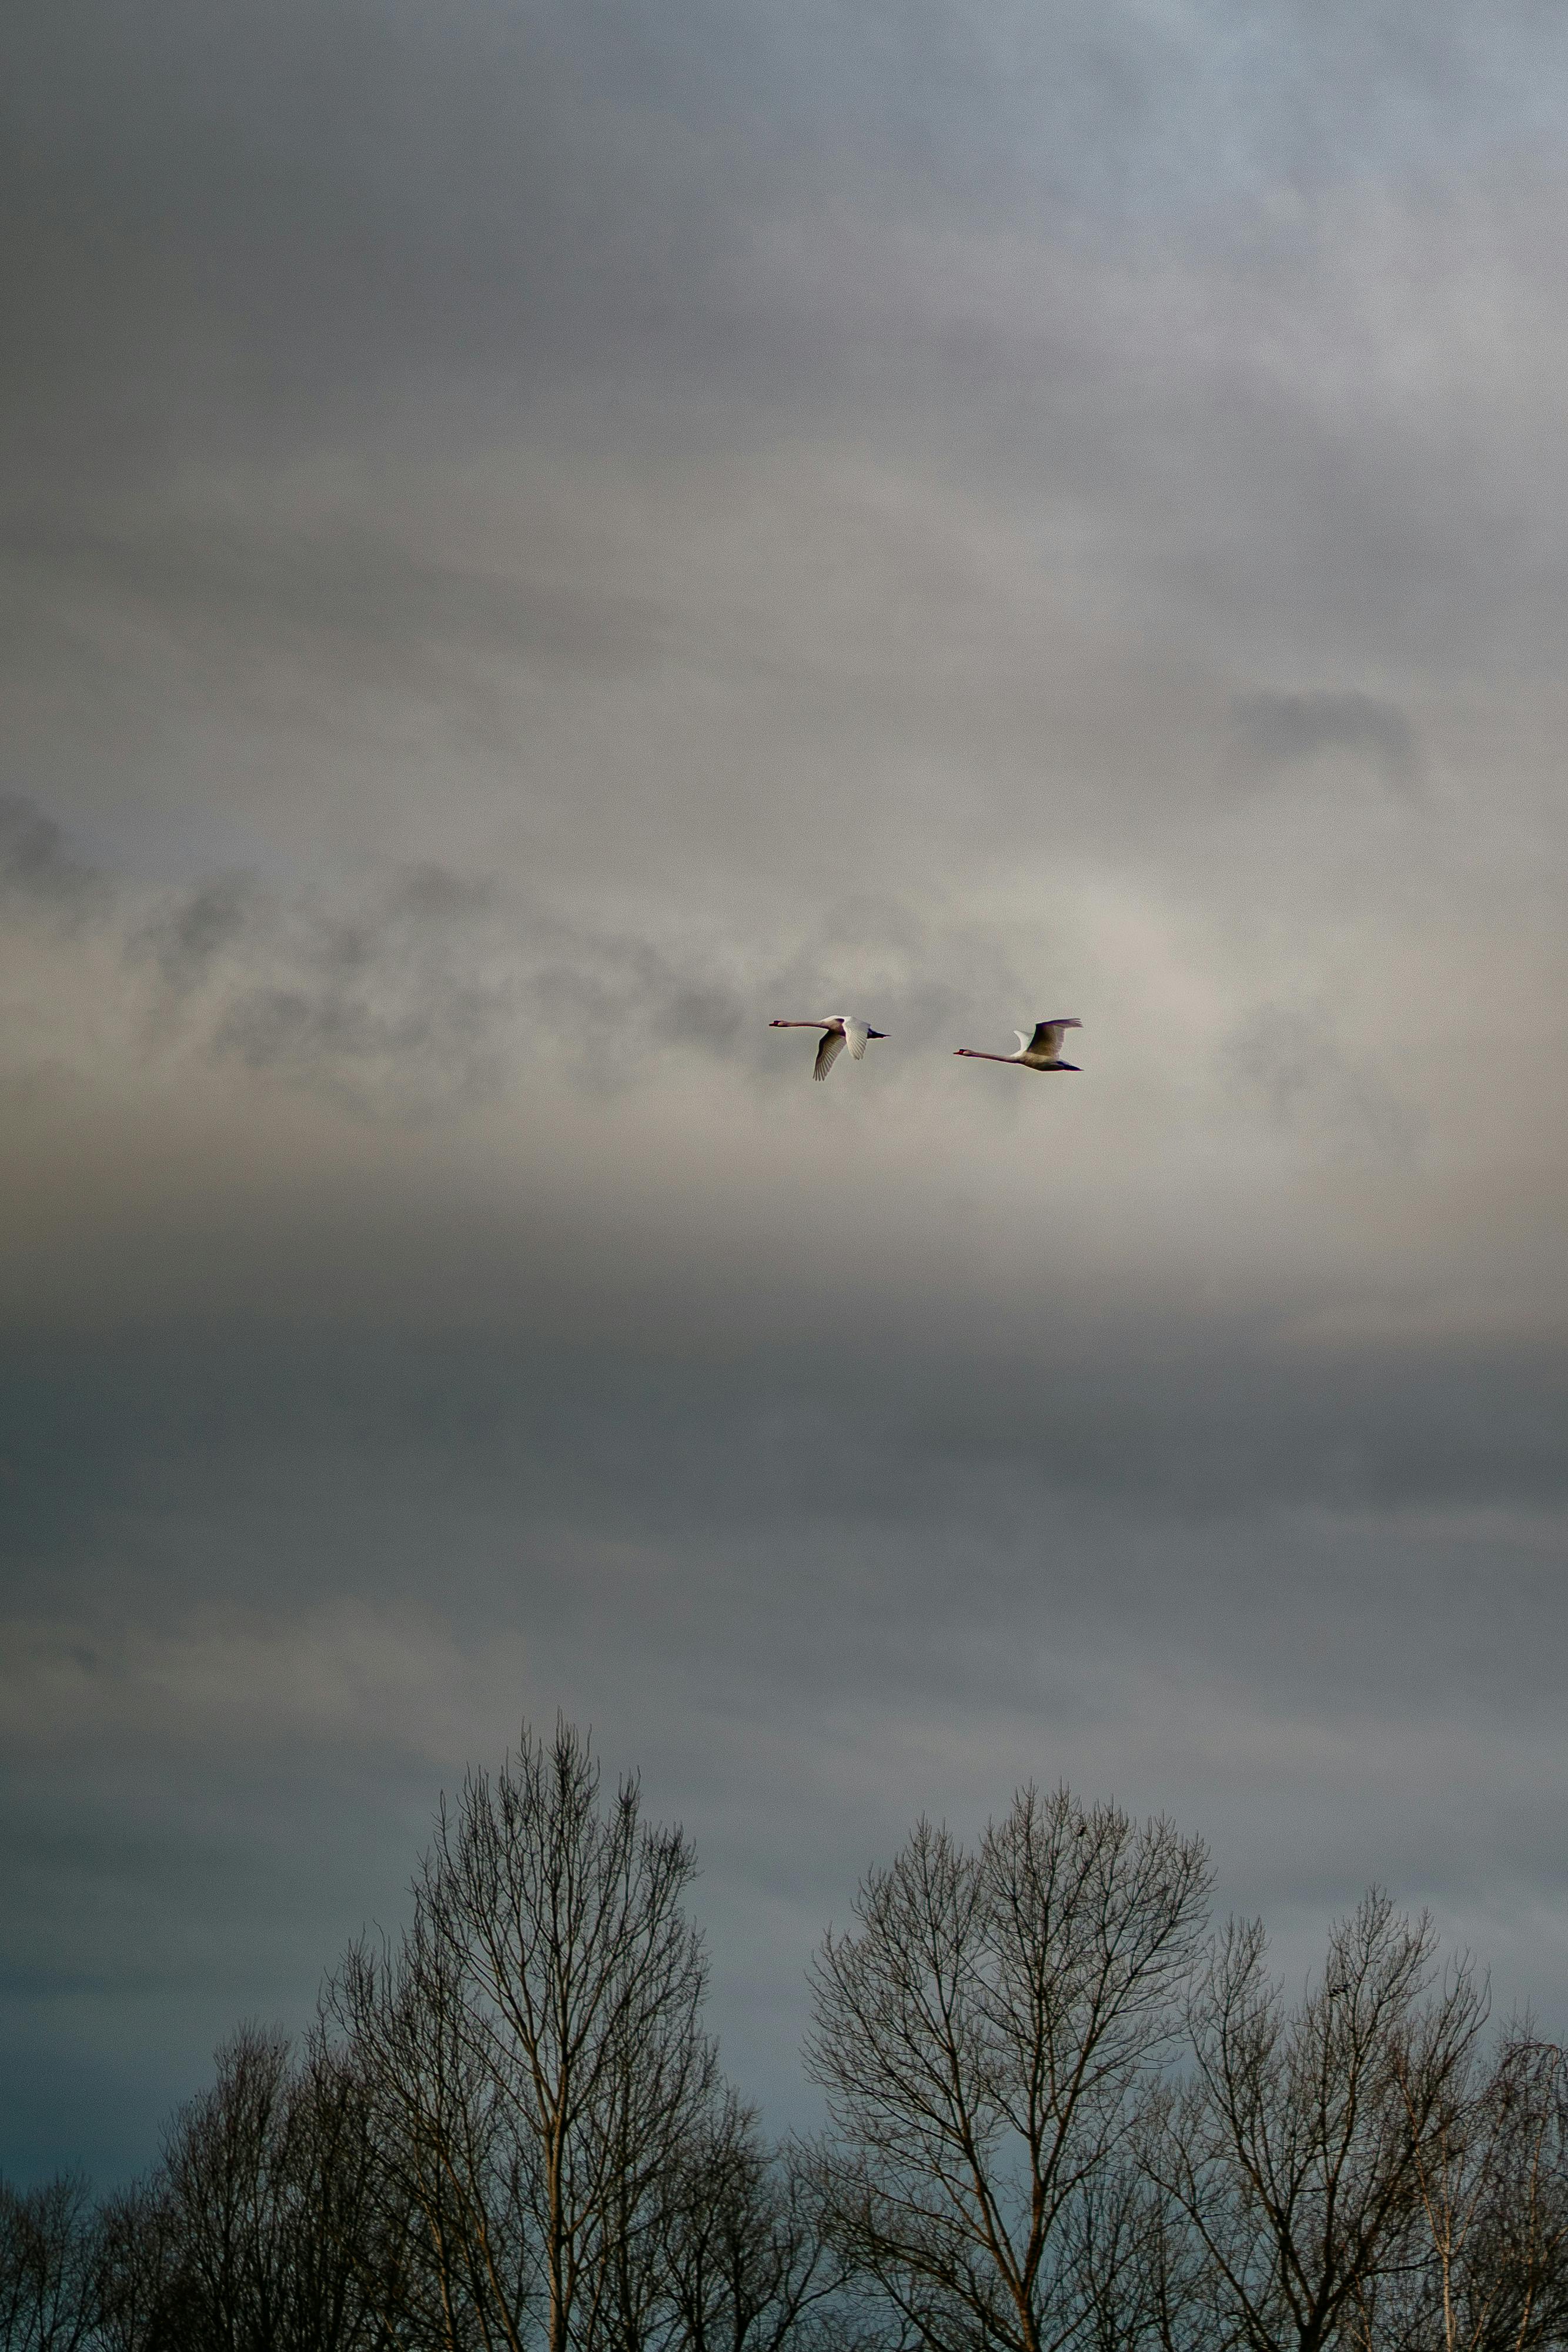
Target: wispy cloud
[1292, 1060]
[40, 870]
[418, 990]
[1283, 731]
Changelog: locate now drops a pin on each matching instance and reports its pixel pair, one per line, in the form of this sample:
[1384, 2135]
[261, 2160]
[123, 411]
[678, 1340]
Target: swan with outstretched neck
[1040, 1052]
[842, 1030]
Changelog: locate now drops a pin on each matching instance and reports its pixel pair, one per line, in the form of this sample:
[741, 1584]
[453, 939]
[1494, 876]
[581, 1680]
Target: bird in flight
[842, 1030]
[1040, 1052]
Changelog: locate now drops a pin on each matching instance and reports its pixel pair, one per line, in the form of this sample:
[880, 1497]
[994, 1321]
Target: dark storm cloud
[859, 1597]
[1211, 1424]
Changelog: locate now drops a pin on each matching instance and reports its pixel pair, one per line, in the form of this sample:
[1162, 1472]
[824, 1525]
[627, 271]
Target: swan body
[1040, 1052]
[841, 1029]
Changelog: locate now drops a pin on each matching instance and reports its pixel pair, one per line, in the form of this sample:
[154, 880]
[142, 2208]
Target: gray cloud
[328, 595]
[186, 940]
[37, 868]
[542, 539]
[422, 989]
[808, 1598]
[1292, 1059]
[1276, 730]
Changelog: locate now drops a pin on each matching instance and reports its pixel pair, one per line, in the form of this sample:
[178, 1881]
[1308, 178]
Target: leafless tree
[47, 2266]
[748, 2262]
[531, 2056]
[1493, 2188]
[223, 2178]
[981, 2038]
[446, 2209]
[335, 2237]
[249, 2237]
[1294, 2158]
[1139, 2280]
[141, 2298]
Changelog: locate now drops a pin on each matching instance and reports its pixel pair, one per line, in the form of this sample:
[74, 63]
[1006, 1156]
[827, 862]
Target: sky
[536, 539]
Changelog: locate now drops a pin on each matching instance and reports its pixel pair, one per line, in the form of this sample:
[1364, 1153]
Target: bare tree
[141, 2296]
[747, 2262]
[980, 2039]
[447, 2215]
[1493, 2188]
[1295, 2157]
[531, 2056]
[251, 2234]
[335, 2238]
[47, 2266]
[223, 2180]
[1139, 2280]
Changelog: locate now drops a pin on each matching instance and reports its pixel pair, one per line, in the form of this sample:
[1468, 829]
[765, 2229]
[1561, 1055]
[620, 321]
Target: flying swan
[842, 1030]
[1040, 1052]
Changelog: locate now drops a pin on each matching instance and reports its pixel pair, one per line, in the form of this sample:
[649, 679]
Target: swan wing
[828, 1051]
[856, 1032]
[1045, 1045]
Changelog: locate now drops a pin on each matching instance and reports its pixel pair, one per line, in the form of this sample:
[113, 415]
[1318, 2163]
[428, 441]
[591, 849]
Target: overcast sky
[537, 538]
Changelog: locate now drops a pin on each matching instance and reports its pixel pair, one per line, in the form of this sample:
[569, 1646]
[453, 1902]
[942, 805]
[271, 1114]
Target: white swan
[842, 1030]
[1040, 1052]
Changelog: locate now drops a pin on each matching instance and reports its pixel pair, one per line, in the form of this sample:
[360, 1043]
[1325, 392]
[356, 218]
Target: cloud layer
[543, 541]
